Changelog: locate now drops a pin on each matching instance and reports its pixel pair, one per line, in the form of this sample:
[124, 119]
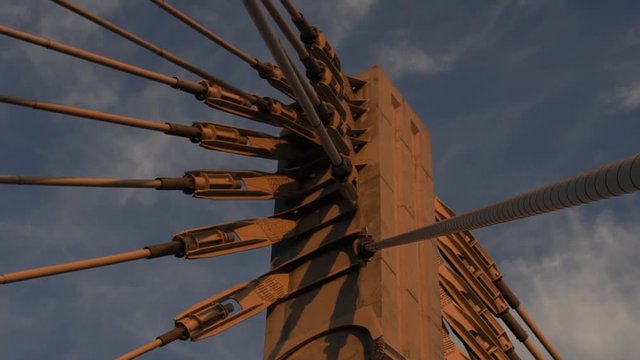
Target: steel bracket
[473, 306]
[241, 184]
[241, 141]
[274, 75]
[244, 235]
[274, 113]
[252, 297]
[322, 50]
[221, 99]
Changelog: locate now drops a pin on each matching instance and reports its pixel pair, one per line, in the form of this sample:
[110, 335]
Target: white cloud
[403, 54]
[624, 97]
[72, 27]
[584, 292]
[403, 58]
[338, 17]
[348, 14]
[628, 98]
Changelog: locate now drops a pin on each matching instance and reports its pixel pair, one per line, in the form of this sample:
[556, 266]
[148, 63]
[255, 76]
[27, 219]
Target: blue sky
[515, 93]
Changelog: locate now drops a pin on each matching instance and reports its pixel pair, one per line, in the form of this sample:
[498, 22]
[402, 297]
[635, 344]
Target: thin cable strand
[164, 5]
[143, 43]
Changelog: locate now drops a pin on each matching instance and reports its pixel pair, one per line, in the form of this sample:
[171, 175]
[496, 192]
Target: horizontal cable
[73, 266]
[314, 68]
[80, 181]
[208, 184]
[209, 135]
[86, 113]
[613, 179]
[151, 345]
[150, 252]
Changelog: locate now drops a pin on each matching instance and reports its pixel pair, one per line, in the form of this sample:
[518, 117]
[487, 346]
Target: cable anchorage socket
[361, 245]
[198, 320]
[274, 75]
[221, 99]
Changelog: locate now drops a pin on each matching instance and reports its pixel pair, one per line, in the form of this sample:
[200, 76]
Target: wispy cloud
[590, 268]
[339, 17]
[403, 58]
[404, 53]
[627, 98]
[348, 14]
[16, 12]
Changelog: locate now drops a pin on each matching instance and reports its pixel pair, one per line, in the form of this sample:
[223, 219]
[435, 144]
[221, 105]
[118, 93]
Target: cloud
[15, 12]
[404, 58]
[632, 36]
[337, 18]
[348, 14]
[624, 97]
[628, 98]
[75, 29]
[403, 52]
[584, 292]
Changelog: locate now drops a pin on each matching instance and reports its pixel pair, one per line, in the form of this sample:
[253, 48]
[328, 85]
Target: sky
[515, 93]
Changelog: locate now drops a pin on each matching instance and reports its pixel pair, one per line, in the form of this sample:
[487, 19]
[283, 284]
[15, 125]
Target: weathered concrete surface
[390, 307]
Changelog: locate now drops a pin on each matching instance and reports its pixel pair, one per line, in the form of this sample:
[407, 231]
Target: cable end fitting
[265, 69]
[193, 133]
[363, 246]
[186, 184]
[308, 33]
[342, 171]
[178, 332]
[173, 247]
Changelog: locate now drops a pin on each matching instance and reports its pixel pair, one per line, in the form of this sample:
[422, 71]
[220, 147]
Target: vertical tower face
[389, 306]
